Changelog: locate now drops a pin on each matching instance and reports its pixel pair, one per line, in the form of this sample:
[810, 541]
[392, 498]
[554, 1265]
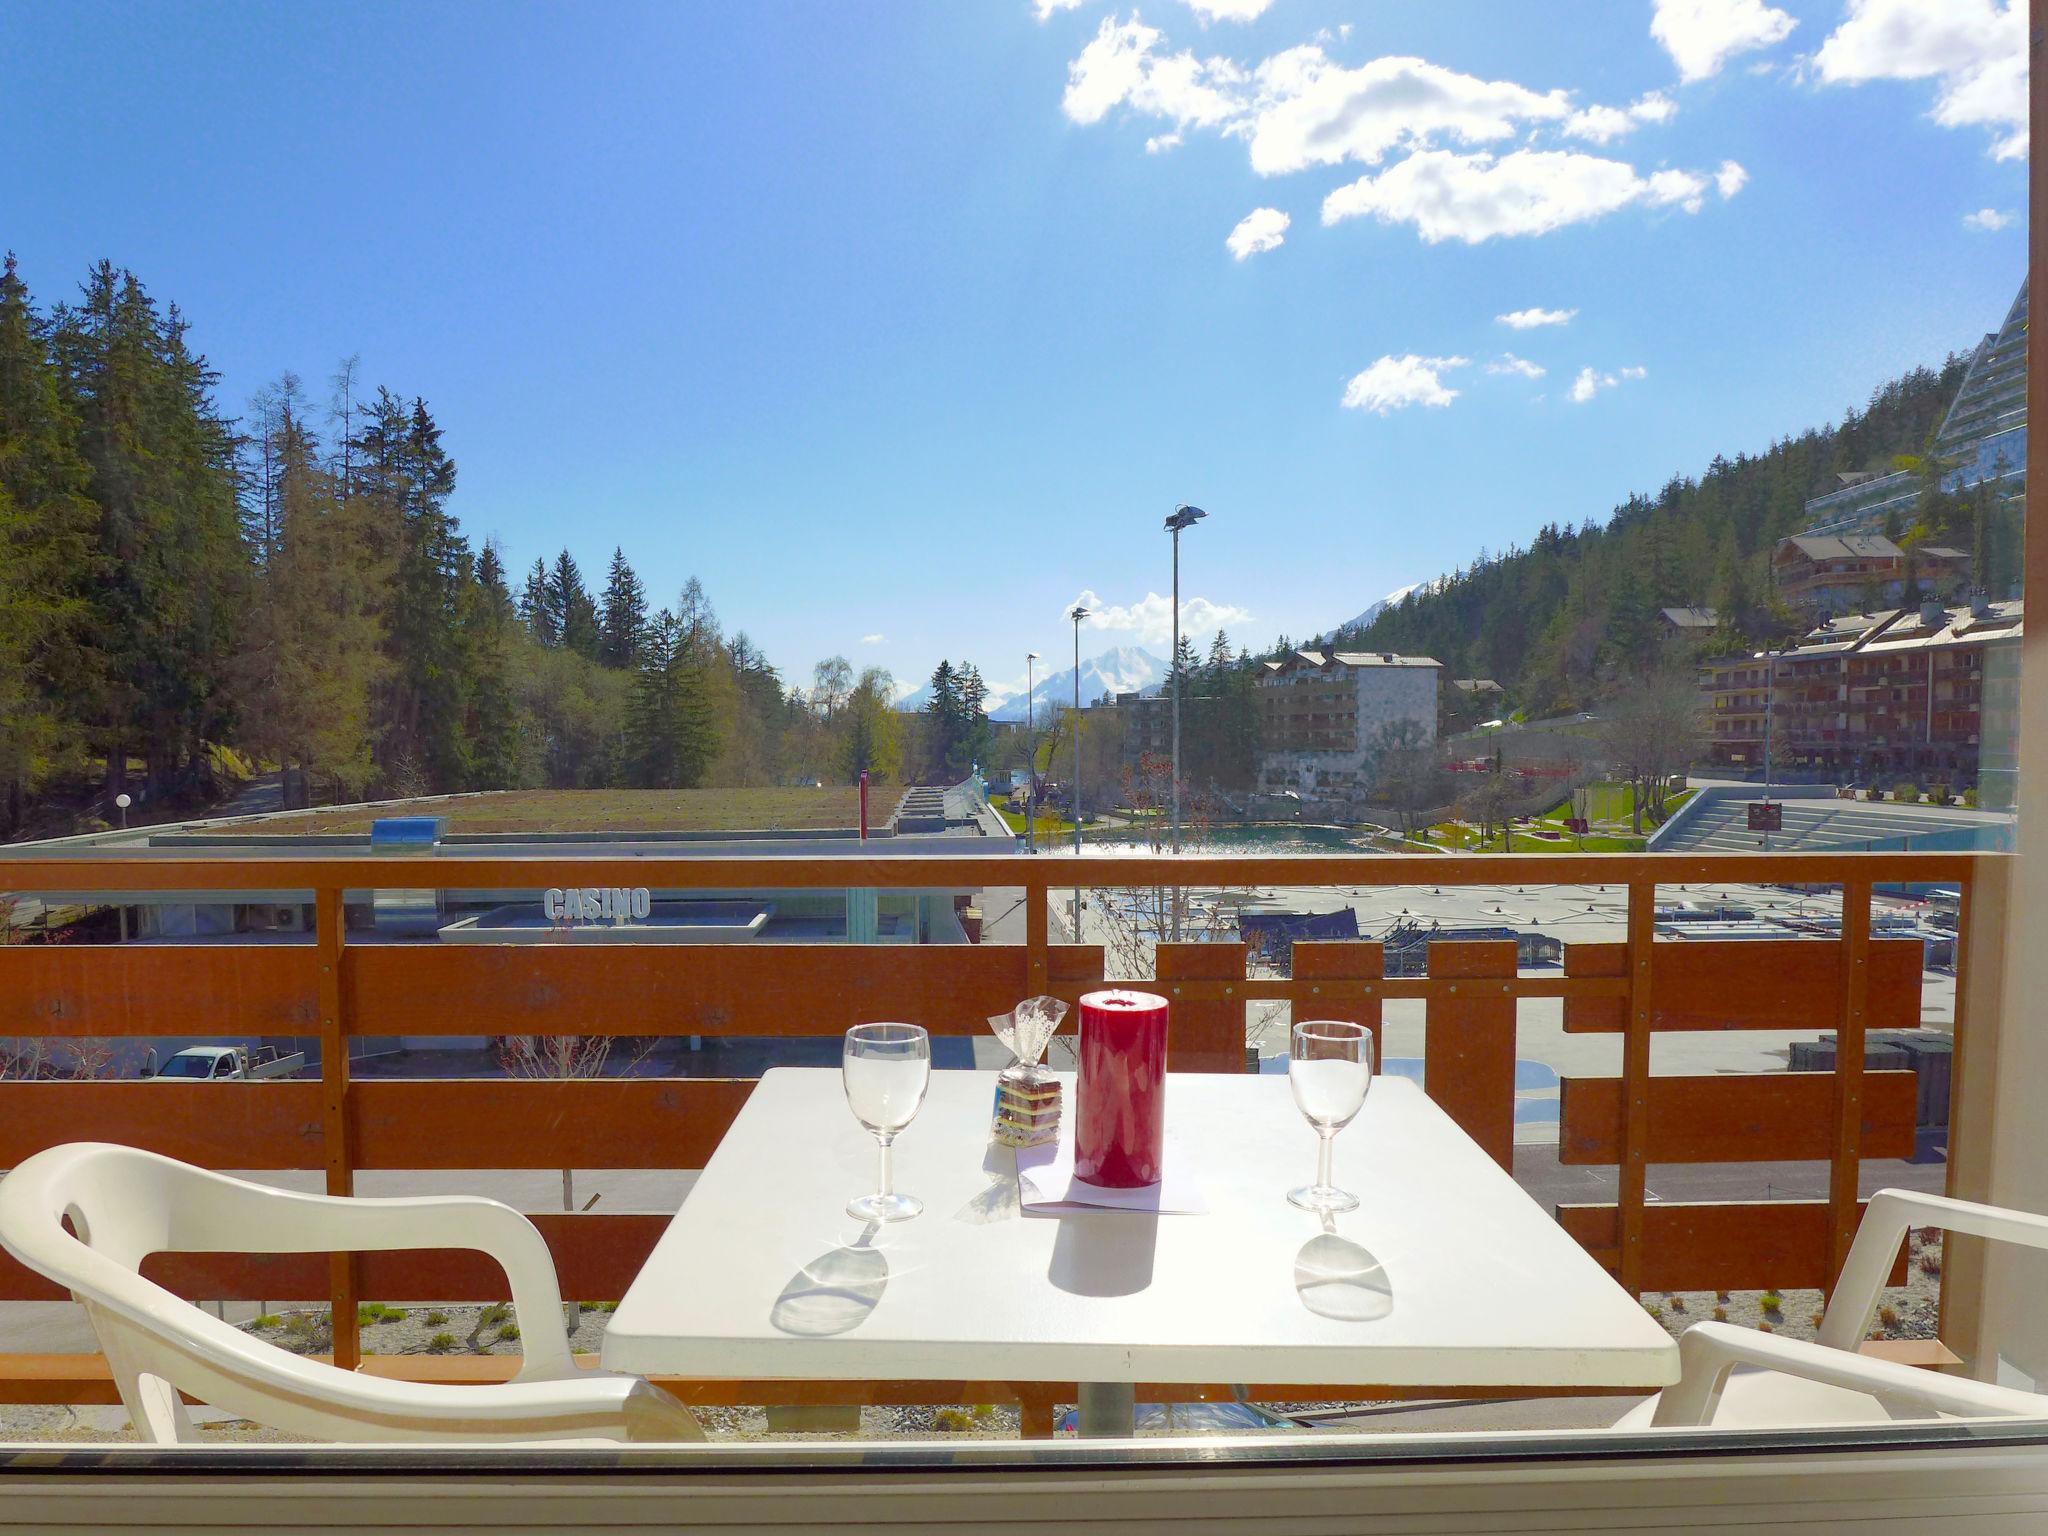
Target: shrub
[1930, 1265]
[1888, 1318]
[370, 1312]
[496, 1312]
[1906, 793]
[1655, 1309]
[1720, 1314]
[441, 1342]
[952, 1420]
[435, 1319]
[607, 1306]
[1816, 1318]
[1970, 798]
[1772, 1301]
[1765, 1328]
[267, 1321]
[391, 1315]
[298, 1322]
[1722, 1297]
[508, 1332]
[1678, 1303]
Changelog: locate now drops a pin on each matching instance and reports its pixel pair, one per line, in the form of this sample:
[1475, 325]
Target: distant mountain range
[1391, 600]
[1121, 669]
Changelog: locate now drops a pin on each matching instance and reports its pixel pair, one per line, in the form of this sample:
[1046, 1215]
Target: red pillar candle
[1120, 1118]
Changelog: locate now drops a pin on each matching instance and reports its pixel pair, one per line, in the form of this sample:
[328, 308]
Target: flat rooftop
[625, 811]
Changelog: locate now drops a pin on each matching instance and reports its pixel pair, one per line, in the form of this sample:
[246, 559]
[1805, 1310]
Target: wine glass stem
[1323, 1159]
[883, 1186]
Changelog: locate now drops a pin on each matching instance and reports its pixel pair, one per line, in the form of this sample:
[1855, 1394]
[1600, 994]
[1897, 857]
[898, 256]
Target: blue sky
[902, 324]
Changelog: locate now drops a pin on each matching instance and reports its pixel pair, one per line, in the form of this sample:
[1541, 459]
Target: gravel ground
[1909, 1311]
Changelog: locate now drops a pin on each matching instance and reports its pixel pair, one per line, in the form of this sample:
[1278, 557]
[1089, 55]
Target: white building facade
[1325, 718]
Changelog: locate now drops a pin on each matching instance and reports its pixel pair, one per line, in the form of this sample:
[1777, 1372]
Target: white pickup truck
[224, 1063]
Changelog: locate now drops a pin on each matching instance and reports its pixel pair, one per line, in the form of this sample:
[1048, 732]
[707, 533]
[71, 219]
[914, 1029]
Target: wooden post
[1341, 960]
[1468, 1049]
[1633, 1173]
[343, 1290]
[1037, 967]
[1207, 1033]
[1847, 1163]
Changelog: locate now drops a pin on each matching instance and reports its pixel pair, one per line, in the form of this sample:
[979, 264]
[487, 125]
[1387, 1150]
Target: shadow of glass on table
[835, 1292]
[1339, 1279]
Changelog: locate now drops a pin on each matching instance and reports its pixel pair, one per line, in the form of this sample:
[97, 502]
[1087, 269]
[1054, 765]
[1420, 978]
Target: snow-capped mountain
[1121, 669]
[1391, 600]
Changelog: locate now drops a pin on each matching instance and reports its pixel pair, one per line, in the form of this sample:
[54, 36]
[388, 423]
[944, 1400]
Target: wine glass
[1329, 1067]
[886, 1069]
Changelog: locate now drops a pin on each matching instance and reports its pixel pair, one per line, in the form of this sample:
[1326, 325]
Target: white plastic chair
[1738, 1378]
[125, 1204]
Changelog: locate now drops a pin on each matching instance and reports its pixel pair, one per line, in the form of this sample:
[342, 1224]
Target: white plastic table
[1447, 1275]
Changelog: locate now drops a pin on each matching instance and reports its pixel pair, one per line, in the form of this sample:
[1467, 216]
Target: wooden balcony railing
[335, 988]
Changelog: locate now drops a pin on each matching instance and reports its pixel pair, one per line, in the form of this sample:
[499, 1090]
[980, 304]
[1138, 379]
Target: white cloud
[1151, 617]
[1730, 179]
[1507, 362]
[1602, 124]
[1395, 383]
[1702, 35]
[1263, 229]
[1046, 8]
[1119, 67]
[870, 639]
[1476, 197]
[1311, 111]
[1530, 319]
[1987, 220]
[1228, 10]
[1299, 109]
[1976, 49]
[1591, 381]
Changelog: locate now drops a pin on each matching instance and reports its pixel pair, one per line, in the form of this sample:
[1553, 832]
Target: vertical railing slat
[1632, 1176]
[336, 1140]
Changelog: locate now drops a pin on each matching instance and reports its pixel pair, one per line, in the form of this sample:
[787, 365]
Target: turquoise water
[1266, 840]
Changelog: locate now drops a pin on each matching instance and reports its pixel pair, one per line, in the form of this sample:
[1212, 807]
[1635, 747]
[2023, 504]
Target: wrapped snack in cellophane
[1027, 1094]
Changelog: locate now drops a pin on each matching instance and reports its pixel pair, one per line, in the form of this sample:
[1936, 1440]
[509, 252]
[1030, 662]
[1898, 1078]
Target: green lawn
[1048, 825]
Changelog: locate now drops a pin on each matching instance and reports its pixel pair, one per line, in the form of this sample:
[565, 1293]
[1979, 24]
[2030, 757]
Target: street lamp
[1030, 755]
[1184, 516]
[1077, 615]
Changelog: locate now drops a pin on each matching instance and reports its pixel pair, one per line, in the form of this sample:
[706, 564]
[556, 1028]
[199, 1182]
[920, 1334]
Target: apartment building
[1906, 693]
[1323, 715]
[1835, 573]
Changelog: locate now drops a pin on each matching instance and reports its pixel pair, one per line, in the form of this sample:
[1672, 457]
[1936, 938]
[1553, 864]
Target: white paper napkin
[1046, 1182]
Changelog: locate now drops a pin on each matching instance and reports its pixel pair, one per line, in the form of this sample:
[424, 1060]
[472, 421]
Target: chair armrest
[1708, 1351]
[1885, 1222]
[228, 1215]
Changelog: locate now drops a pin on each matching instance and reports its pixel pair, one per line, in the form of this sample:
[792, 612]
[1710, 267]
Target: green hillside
[1561, 622]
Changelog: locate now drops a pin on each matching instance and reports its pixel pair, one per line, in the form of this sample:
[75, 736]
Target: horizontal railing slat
[1761, 1117]
[596, 1257]
[613, 1122]
[80, 990]
[840, 871]
[1710, 984]
[701, 989]
[1740, 1246]
[215, 1125]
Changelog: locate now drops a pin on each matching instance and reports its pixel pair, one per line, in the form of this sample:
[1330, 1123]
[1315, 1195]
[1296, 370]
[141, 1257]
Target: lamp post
[1077, 615]
[1184, 516]
[121, 803]
[1030, 754]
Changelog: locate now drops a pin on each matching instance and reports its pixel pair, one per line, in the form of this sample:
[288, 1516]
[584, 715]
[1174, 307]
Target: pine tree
[48, 554]
[943, 736]
[171, 586]
[623, 615]
[571, 601]
[537, 609]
